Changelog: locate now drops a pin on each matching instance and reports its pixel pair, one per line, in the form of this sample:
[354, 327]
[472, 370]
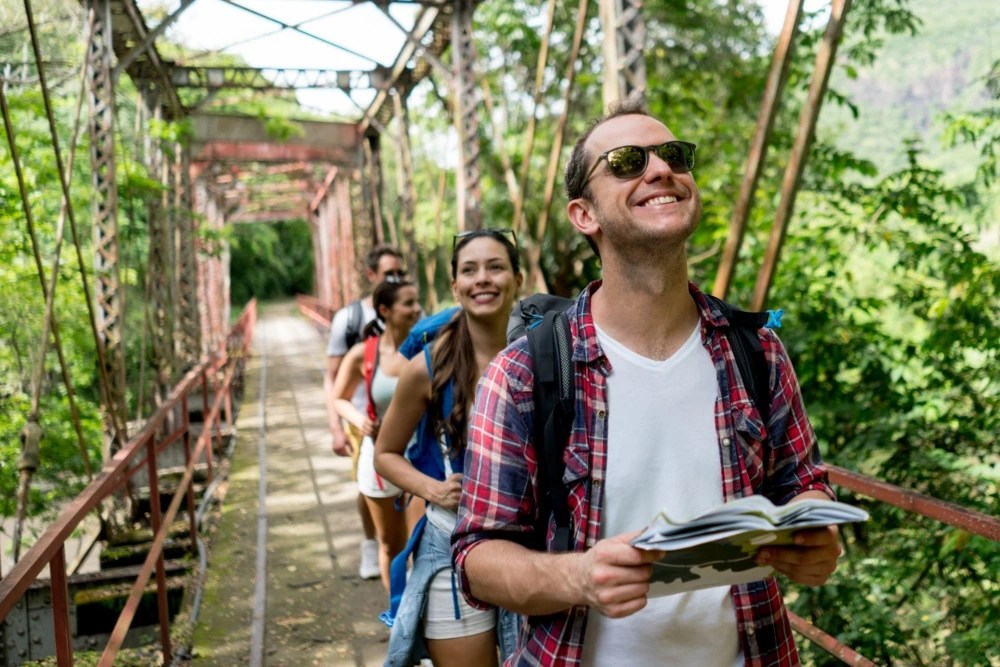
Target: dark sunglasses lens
[627, 161]
[678, 155]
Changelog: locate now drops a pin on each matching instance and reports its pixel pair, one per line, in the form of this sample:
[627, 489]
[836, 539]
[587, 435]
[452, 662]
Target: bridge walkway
[316, 610]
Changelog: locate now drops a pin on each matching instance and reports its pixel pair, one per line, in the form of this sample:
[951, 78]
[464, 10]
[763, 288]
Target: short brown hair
[579, 161]
[578, 164]
[380, 251]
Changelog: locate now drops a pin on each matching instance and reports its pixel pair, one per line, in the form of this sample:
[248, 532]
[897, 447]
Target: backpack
[355, 322]
[542, 318]
[425, 454]
[370, 364]
[425, 331]
[425, 451]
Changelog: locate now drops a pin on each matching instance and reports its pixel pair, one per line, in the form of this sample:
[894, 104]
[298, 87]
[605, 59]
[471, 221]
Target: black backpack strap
[751, 362]
[353, 332]
[550, 345]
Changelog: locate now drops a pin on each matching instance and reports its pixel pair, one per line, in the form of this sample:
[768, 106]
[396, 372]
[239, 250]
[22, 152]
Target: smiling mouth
[658, 201]
[484, 296]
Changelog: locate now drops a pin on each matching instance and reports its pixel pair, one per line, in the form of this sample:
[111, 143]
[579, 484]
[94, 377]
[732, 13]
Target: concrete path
[317, 610]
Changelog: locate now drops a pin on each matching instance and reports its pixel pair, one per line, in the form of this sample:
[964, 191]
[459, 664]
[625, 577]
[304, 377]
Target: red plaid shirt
[500, 487]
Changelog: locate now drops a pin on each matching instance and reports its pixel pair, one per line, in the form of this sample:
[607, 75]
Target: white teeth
[665, 199]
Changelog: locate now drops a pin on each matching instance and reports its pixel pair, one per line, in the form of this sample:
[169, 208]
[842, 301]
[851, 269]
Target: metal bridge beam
[469, 195]
[188, 339]
[108, 297]
[159, 271]
[624, 37]
[278, 78]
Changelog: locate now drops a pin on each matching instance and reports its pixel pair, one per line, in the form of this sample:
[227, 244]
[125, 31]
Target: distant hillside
[915, 79]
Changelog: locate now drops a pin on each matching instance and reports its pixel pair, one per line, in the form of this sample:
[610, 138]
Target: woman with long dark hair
[435, 392]
[397, 309]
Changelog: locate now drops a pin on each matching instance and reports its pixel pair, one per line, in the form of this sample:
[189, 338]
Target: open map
[718, 547]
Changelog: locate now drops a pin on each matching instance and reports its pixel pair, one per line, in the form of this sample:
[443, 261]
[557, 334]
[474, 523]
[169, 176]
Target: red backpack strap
[371, 362]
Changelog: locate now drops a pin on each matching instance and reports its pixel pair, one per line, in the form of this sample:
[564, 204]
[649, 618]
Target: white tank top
[383, 386]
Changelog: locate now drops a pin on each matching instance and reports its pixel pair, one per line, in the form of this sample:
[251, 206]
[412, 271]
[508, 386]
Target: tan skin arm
[350, 373]
[341, 444]
[409, 402]
[613, 577]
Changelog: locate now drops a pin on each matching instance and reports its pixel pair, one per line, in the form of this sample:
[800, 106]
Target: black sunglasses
[627, 162]
[494, 232]
[394, 276]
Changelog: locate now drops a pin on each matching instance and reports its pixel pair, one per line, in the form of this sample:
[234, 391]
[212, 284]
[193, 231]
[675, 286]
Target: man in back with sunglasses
[382, 262]
[662, 420]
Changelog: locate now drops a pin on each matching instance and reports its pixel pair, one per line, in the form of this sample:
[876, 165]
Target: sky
[361, 28]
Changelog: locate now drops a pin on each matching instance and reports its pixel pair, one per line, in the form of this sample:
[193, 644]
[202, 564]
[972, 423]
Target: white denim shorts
[370, 483]
[439, 616]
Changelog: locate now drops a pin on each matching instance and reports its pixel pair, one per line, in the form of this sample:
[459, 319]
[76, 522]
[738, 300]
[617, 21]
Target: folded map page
[718, 547]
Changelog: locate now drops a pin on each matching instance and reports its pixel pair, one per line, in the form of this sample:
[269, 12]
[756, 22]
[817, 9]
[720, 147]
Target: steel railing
[318, 312]
[910, 501]
[215, 379]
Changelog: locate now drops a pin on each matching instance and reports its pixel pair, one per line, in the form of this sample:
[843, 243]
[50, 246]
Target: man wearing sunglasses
[382, 263]
[662, 420]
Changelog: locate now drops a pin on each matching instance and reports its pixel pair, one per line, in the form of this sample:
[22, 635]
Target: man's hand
[341, 443]
[614, 576]
[810, 560]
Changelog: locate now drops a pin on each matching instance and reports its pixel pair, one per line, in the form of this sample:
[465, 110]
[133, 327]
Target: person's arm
[335, 350]
[409, 402]
[497, 518]
[612, 577]
[341, 444]
[350, 373]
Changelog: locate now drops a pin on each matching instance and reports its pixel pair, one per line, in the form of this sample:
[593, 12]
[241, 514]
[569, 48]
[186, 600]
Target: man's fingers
[816, 537]
[623, 610]
[615, 575]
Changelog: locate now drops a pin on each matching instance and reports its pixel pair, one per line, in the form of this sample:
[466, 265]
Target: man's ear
[582, 216]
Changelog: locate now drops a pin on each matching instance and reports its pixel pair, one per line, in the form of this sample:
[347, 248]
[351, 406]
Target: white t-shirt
[337, 343]
[663, 451]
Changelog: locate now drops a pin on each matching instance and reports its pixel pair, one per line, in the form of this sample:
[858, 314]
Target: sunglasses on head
[494, 232]
[627, 162]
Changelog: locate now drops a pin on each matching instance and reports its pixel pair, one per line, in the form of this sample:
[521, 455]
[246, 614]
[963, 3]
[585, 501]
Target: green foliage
[888, 274]
[271, 261]
[892, 296]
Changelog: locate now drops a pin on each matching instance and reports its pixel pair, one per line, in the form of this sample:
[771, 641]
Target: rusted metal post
[346, 256]
[108, 296]
[159, 272]
[828, 643]
[156, 519]
[624, 39]
[469, 196]
[204, 421]
[776, 79]
[188, 323]
[373, 178]
[188, 463]
[404, 175]
[59, 587]
[800, 149]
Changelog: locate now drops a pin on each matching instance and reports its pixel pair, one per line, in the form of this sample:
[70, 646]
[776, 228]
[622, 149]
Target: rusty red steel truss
[214, 379]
